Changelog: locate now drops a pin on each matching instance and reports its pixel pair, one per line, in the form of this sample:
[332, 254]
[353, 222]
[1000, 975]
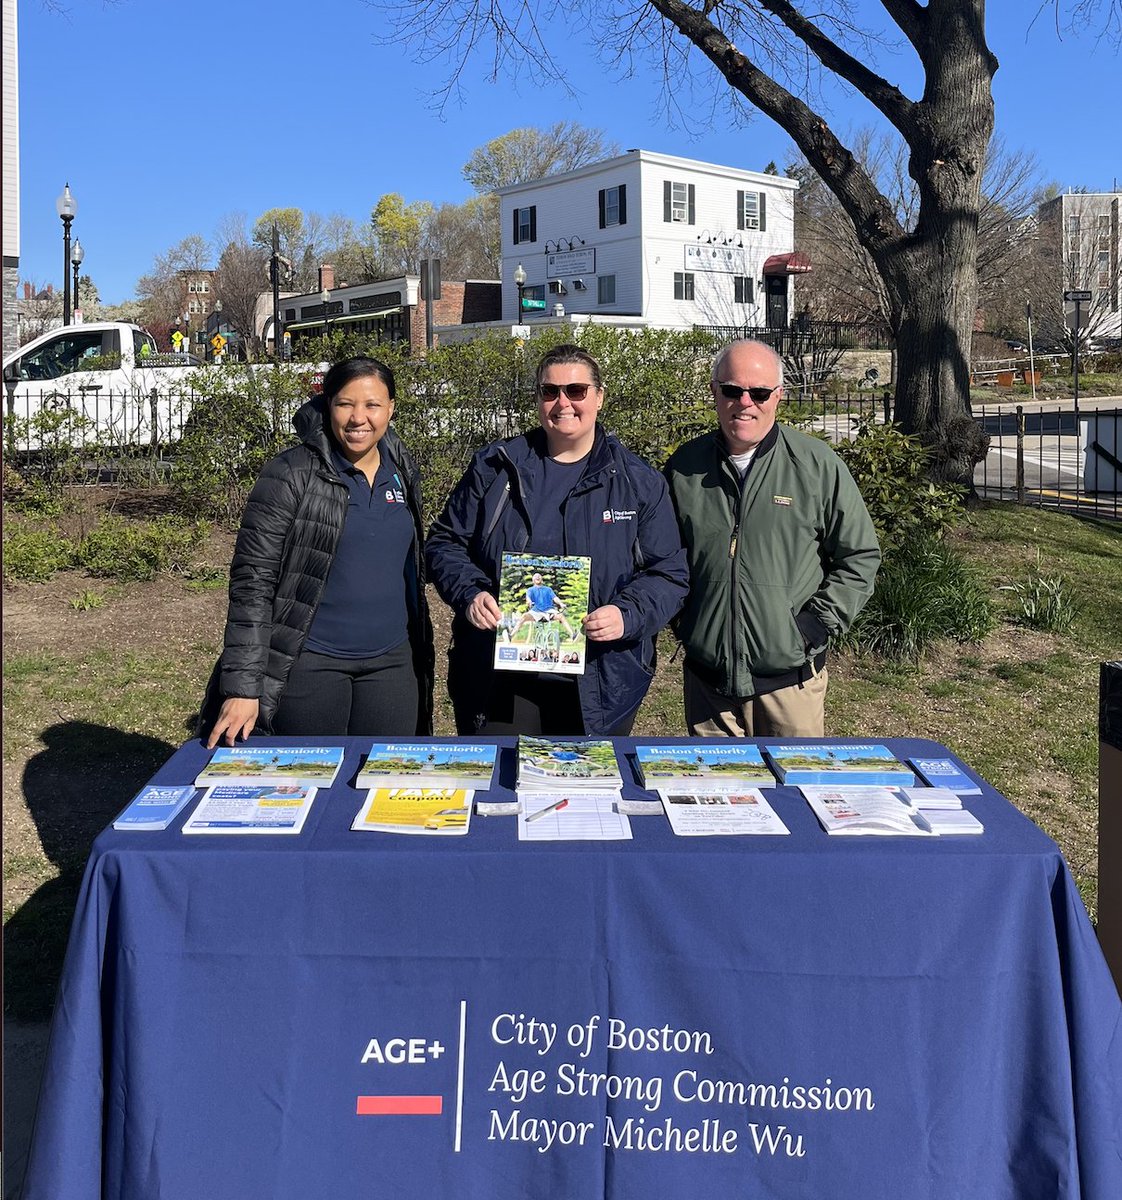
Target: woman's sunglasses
[574, 391]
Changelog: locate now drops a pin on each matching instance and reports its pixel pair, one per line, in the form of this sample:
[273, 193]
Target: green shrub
[1045, 601]
[890, 469]
[120, 549]
[924, 592]
[241, 422]
[34, 555]
[86, 600]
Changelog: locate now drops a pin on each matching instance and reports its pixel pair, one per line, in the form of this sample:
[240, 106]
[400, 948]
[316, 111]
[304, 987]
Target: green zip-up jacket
[778, 565]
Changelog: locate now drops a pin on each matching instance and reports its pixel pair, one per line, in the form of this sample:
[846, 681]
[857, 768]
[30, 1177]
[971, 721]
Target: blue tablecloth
[770, 1017]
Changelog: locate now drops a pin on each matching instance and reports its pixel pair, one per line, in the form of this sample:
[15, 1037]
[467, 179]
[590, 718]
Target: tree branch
[910, 17]
[846, 177]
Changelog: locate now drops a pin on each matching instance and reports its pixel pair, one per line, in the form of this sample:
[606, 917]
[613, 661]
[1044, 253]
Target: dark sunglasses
[758, 395]
[574, 391]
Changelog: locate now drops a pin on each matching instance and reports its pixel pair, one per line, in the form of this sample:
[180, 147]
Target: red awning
[796, 263]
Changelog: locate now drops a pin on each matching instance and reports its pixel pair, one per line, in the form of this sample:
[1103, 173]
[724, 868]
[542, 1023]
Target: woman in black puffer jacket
[328, 632]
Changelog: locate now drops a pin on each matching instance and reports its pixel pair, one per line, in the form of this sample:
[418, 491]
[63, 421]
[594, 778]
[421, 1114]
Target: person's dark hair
[563, 355]
[356, 368]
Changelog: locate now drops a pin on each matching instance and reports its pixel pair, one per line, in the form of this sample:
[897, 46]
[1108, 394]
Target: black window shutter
[533, 222]
[623, 203]
[740, 210]
[763, 211]
[689, 220]
[602, 196]
[516, 212]
[666, 214]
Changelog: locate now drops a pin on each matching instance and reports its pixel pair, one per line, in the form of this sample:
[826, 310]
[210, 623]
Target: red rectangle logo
[411, 1106]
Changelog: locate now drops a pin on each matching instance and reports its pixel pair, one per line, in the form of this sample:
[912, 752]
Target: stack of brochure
[456, 765]
[943, 810]
[546, 764]
[713, 814]
[865, 811]
[839, 765]
[252, 808]
[703, 768]
[303, 766]
[154, 807]
[433, 811]
[944, 772]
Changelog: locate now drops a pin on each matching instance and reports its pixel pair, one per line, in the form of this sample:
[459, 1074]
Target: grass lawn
[96, 696]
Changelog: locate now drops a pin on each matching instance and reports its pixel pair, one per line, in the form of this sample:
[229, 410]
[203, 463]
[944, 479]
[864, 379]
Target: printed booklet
[154, 807]
[546, 764]
[268, 808]
[428, 765]
[544, 599]
[703, 767]
[865, 811]
[843, 766]
[305, 766]
[439, 811]
[707, 814]
[944, 772]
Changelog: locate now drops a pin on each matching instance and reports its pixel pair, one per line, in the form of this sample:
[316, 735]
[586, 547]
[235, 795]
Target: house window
[203, 286]
[1104, 269]
[1073, 224]
[683, 285]
[751, 210]
[193, 306]
[605, 289]
[613, 206]
[743, 289]
[678, 202]
[526, 224]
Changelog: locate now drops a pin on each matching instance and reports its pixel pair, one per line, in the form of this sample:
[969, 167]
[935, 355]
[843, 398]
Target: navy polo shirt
[363, 611]
[552, 483]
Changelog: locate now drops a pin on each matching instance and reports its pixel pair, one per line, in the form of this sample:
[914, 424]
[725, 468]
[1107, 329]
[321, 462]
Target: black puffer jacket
[285, 548]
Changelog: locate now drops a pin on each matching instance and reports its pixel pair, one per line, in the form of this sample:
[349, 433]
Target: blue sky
[165, 118]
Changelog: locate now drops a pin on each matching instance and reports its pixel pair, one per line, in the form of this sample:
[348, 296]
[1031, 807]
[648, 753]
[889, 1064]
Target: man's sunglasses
[758, 395]
[574, 391]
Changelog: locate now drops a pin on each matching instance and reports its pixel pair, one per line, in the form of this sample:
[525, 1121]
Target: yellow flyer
[438, 811]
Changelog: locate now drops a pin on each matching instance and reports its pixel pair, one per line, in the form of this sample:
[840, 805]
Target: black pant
[360, 697]
[526, 703]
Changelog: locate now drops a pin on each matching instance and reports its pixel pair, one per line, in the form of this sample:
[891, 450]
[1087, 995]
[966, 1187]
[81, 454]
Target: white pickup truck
[104, 381]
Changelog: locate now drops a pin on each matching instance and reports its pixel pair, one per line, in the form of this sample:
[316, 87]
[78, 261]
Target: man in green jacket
[782, 557]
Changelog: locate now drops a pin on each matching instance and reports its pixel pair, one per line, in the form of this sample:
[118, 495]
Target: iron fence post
[1020, 454]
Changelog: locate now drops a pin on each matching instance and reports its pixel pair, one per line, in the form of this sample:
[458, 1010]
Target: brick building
[390, 310]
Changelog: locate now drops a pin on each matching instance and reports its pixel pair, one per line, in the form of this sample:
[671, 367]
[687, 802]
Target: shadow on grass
[73, 789]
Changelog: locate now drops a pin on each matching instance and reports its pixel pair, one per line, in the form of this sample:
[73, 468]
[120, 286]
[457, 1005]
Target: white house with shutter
[650, 239]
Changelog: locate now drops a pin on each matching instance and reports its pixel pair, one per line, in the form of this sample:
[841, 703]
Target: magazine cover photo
[544, 600]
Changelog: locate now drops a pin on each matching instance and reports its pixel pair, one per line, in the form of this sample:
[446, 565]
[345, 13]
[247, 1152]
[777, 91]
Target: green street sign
[531, 305]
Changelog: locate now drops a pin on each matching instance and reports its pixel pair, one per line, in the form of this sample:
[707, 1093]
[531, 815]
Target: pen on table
[551, 809]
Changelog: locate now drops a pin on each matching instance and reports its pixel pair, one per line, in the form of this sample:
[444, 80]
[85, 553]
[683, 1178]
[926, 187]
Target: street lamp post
[76, 256]
[325, 296]
[66, 206]
[520, 284]
[217, 327]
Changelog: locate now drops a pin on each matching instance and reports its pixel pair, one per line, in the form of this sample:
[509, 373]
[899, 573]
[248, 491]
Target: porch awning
[796, 263]
[349, 319]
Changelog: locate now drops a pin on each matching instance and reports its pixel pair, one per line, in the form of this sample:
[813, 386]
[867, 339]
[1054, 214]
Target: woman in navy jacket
[566, 488]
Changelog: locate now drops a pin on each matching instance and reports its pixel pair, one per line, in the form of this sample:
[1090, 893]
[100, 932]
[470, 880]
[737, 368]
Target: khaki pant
[790, 712]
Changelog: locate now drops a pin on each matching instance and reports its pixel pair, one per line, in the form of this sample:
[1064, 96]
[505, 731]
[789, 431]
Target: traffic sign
[531, 305]
[218, 342]
[1080, 297]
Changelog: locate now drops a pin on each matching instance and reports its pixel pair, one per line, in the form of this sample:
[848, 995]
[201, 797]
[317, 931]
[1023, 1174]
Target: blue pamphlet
[839, 765]
[154, 807]
[943, 772]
